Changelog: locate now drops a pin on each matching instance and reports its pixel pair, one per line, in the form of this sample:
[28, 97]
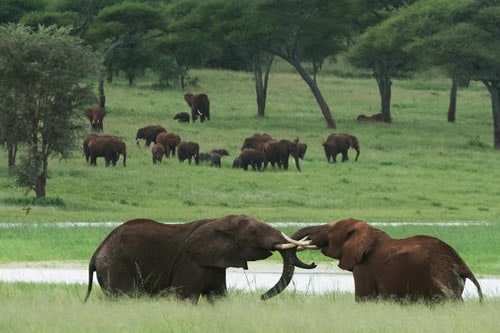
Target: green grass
[59, 308]
[418, 169]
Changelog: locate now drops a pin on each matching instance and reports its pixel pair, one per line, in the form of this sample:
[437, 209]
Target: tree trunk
[330, 122]
[12, 152]
[384, 87]
[494, 89]
[102, 97]
[261, 83]
[452, 108]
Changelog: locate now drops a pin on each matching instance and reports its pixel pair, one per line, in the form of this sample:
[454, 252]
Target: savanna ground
[420, 168]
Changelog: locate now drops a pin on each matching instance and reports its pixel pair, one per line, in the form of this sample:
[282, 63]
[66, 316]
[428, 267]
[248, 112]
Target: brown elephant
[188, 260]
[213, 158]
[149, 133]
[340, 143]
[108, 146]
[256, 140]
[418, 268]
[278, 153]
[157, 151]
[169, 141]
[251, 157]
[182, 117]
[187, 150]
[221, 152]
[96, 117]
[200, 106]
[373, 118]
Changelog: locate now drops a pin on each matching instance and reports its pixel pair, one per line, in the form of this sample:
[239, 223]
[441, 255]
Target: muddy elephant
[169, 141]
[340, 143]
[188, 150]
[149, 133]
[278, 153]
[418, 268]
[256, 140]
[200, 106]
[109, 147]
[187, 260]
[157, 152]
[182, 117]
[373, 118]
[252, 157]
[96, 117]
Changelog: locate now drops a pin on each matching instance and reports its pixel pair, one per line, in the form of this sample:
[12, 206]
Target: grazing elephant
[188, 260]
[278, 153]
[108, 146]
[340, 143]
[96, 117]
[188, 150]
[410, 269]
[252, 157]
[200, 106]
[256, 140]
[373, 117]
[149, 133]
[157, 151]
[169, 141]
[237, 162]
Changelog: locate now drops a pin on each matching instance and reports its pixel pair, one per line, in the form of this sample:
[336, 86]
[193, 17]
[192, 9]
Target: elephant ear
[359, 241]
[213, 244]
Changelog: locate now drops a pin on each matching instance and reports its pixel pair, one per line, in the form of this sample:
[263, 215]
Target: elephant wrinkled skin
[410, 269]
[188, 260]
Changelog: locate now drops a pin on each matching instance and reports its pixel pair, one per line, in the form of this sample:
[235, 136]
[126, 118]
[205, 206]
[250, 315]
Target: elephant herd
[189, 260]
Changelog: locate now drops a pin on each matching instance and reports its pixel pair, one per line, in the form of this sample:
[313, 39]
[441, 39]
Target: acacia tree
[288, 28]
[465, 41]
[41, 74]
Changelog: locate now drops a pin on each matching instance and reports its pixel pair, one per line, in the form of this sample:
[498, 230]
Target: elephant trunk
[357, 153]
[290, 260]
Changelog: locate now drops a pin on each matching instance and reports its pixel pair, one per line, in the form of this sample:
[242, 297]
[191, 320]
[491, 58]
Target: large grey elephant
[188, 260]
[410, 269]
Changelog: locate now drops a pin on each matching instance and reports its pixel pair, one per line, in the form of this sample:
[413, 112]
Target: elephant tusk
[302, 242]
[285, 246]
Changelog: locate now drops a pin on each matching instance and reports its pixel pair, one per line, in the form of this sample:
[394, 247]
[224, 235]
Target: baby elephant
[158, 151]
[182, 117]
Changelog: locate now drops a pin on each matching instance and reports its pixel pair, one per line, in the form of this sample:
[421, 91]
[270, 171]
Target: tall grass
[59, 308]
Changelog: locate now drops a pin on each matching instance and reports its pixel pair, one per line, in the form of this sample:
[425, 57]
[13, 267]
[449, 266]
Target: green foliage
[12, 10]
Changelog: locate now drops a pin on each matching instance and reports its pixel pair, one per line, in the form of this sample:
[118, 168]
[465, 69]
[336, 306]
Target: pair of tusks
[301, 244]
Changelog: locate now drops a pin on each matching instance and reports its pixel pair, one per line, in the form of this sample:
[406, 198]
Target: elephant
[188, 260]
[188, 150]
[372, 118]
[96, 117]
[169, 141]
[252, 157]
[157, 151]
[108, 146]
[237, 162]
[200, 106]
[213, 158]
[418, 268]
[149, 133]
[221, 152]
[340, 143]
[278, 153]
[256, 140]
[182, 117]
[86, 142]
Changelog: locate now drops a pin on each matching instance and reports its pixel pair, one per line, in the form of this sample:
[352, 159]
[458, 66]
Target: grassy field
[420, 168]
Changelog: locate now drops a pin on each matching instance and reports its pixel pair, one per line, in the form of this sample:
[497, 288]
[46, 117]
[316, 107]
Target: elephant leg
[93, 160]
[334, 157]
[345, 157]
[365, 287]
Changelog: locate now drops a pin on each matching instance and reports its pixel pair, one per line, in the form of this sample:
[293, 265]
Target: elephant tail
[471, 277]
[92, 269]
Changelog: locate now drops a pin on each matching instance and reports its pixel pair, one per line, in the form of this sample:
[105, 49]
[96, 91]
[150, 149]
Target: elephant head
[95, 117]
